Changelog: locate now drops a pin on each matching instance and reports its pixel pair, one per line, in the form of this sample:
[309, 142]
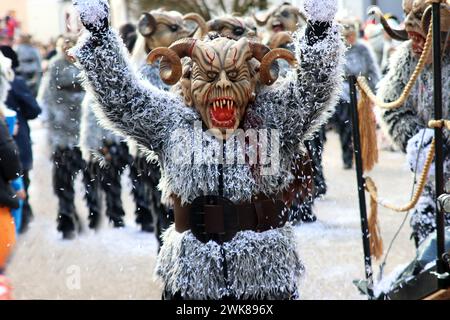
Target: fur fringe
[259, 265]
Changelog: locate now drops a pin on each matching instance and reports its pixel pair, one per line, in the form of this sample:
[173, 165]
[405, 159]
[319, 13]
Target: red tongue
[278, 29]
[222, 114]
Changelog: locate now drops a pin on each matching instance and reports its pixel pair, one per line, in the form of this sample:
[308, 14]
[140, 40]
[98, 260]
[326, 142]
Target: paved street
[118, 264]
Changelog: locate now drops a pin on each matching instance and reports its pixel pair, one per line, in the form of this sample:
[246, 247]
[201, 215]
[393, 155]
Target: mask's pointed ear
[146, 24]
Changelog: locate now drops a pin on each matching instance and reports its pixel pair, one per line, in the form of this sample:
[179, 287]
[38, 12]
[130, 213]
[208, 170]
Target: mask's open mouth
[222, 112]
[418, 42]
[277, 26]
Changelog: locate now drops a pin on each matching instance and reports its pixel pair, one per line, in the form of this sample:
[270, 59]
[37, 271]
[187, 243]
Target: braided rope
[371, 187]
[439, 124]
[364, 85]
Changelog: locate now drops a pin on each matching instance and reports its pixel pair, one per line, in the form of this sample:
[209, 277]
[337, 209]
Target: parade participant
[61, 95]
[407, 125]
[21, 100]
[220, 256]
[106, 157]
[360, 60]
[9, 169]
[280, 21]
[234, 27]
[29, 63]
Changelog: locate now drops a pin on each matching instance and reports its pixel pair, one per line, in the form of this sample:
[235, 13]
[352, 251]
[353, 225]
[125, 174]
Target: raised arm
[125, 104]
[306, 98]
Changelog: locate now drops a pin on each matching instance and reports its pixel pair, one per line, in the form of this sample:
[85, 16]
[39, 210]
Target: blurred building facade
[46, 19]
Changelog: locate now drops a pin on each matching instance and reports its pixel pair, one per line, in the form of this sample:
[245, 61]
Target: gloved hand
[94, 15]
[417, 150]
[320, 11]
[320, 15]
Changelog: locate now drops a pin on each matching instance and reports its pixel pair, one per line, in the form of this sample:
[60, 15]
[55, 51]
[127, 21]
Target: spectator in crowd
[29, 63]
[9, 170]
[21, 100]
[11, 25]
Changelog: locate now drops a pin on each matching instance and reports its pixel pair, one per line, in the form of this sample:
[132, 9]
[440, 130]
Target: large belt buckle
[213, 218]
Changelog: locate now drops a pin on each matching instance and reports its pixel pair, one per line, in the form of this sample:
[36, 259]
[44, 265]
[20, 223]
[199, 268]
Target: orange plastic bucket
[7, 235]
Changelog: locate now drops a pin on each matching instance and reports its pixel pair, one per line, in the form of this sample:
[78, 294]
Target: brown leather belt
[218, 219]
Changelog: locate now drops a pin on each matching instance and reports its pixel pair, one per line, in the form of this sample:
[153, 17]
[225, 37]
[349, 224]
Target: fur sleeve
[305, 99]
[127, 105]
[400, 123]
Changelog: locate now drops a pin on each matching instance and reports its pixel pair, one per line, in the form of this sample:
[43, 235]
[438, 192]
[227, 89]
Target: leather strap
[216, 218]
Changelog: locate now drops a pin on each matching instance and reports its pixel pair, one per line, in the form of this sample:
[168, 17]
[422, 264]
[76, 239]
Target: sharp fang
[229, 104]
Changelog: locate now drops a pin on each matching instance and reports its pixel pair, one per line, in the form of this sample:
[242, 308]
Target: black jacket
[10, 167]
[21, 100]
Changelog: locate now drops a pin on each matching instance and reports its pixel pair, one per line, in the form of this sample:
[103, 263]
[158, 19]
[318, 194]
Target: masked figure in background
[280, 21]
[359, 60]
[61, 95]
[106, 157]
[230, 239]
[157, 28]
[234, 27]
[407, 125]
[29, 63]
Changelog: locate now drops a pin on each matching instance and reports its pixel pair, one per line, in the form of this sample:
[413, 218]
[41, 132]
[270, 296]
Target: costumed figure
[61, 96]
[408, 124]
[230, 238]
[157, 28]
[234, 27]
[281, 21]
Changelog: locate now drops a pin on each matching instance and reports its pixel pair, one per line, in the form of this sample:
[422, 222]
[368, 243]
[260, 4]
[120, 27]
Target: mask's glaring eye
[174, 27]
[212, 75]
[238, 31]
[232, 74]
[419, 15]
[285, 13]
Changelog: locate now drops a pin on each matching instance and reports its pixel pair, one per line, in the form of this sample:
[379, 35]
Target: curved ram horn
[400, 35]
[261, 22]
[146, 24]
[170, 69]
[198, 19]
[216, 24]
[267, 77]
[445, 18]
[258, 50]
[279, 39]
[299, 13]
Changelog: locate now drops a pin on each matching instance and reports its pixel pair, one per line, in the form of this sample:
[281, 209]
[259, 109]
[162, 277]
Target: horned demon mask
[234, 27]
[282, 18]
[162, 28]
[223, 78]
[417, 20]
